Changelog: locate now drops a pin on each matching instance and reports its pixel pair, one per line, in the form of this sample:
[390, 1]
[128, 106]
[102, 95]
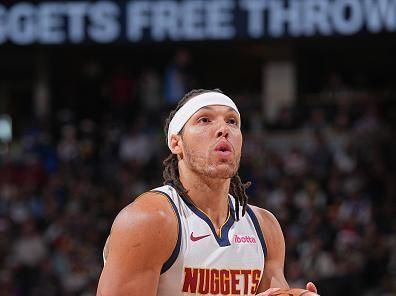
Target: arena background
[84, 90]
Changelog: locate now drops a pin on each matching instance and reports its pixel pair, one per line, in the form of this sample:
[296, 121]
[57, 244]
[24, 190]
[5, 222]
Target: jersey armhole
[168, 263]
[259, 232]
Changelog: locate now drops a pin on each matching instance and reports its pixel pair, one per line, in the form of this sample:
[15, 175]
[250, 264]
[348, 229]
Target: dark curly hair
[171, 171]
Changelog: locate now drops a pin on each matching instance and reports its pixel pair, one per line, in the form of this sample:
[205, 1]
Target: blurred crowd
[328, 176]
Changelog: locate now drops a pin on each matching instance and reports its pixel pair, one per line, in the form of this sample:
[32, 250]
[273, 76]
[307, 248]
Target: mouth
[223, 148]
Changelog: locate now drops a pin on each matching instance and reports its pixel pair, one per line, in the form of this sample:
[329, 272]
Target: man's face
[212, 141]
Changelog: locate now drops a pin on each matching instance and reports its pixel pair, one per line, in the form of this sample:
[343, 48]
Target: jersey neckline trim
[223, 239]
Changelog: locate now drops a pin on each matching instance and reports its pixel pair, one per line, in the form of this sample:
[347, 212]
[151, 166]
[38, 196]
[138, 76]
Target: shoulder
[270, 228]
[149, 209]
[150, 218]
[149, 205]
[264, 216]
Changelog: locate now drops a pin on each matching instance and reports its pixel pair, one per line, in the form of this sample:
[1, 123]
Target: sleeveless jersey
[206, 263]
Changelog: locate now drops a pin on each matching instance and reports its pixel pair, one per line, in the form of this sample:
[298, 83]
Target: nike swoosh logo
[197, 238]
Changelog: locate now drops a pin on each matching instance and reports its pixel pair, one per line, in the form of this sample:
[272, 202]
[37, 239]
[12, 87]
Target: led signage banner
[75, 22]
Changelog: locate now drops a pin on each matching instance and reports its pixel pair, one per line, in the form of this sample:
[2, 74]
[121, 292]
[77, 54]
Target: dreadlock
[171, 171]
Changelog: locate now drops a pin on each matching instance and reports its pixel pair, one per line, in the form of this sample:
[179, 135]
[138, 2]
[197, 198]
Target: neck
[210, 195]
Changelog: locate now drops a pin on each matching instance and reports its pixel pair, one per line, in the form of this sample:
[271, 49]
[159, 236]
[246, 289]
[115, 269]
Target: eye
[203, 119]
[232, 121]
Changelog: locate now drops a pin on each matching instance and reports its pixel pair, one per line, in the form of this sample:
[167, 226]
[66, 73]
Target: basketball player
[196, 235]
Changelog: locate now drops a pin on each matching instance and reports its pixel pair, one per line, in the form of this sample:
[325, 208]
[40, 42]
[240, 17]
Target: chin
[222, 171]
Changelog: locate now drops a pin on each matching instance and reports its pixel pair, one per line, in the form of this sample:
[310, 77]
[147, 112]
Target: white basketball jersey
[205, 263]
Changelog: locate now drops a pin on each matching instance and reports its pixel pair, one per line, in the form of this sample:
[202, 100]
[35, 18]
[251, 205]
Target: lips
[223, 148]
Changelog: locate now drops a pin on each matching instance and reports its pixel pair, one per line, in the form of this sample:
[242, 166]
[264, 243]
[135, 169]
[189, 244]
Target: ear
[176, 144]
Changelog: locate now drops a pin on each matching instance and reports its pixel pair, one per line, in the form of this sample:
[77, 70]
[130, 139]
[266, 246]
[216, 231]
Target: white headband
[193, 105]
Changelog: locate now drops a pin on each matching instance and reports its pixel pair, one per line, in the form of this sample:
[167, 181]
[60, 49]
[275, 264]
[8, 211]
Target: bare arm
[273, 276]
[142, 238]
[274, 263]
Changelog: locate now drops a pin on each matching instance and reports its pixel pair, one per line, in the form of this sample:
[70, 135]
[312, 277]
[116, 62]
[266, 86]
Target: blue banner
[103, 22]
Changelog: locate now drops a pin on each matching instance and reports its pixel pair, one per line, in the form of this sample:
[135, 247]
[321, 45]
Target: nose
[223, 131]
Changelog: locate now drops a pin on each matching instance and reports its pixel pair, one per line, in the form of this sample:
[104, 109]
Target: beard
[209, 165]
